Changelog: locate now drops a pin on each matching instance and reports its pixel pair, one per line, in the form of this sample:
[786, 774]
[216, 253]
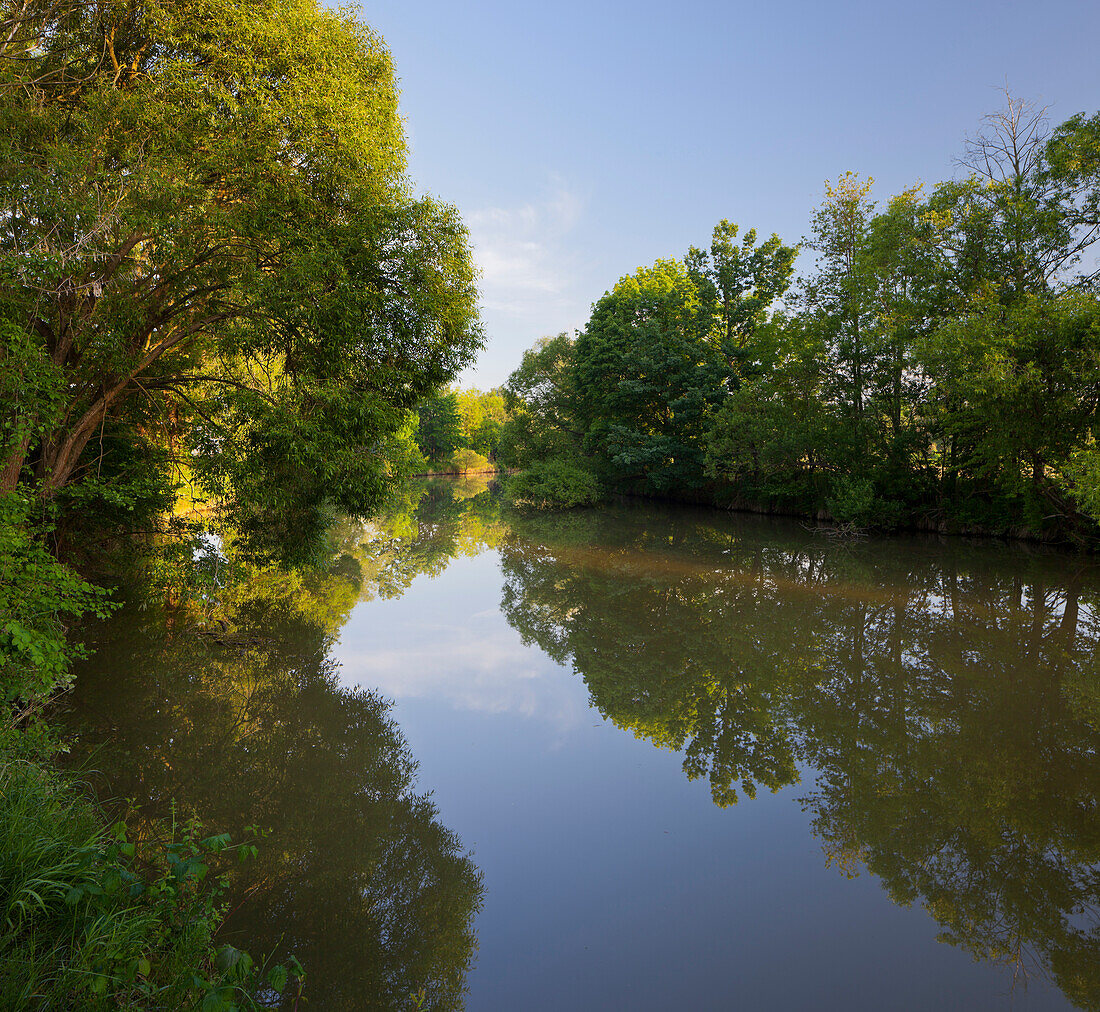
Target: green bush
[852, 501]
[553, 484]
[464, 460]
[1081, 478]
[37, 594]
[91, 920]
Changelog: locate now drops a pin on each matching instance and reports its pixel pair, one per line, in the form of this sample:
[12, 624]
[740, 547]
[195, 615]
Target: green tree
[1037, 214]
[483, 416]
[841, 292]
[738, 283]
[1021, 387]
[665, 347]
[439, 432]
[900, 260]
[206, 209]
[540, 399]
[773, 439]
[1072, 169]
[38, 595]
[645, 382]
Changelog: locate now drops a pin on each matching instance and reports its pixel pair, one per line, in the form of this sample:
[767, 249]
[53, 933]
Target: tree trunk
[13, 466]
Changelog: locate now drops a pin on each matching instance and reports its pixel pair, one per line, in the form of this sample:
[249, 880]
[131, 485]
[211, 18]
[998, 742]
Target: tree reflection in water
[941, 703]
[946, 697]
[233, 710]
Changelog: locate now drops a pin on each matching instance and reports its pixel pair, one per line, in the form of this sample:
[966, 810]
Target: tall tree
[841, 290]
[646, 382]
[204, 207]
[738, 283]
[540, 397]
[666, 346]
[440, 429]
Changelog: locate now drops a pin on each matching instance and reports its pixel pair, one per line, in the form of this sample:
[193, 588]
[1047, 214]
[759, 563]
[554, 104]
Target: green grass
[90, 920]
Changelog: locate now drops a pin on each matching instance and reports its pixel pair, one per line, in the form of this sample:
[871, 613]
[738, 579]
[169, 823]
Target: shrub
[463, 460]
[37, 593]
[1081, 478]
[554, 484]
[852, 501]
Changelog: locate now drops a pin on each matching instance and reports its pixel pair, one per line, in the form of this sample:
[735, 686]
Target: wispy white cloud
[477, 666]
[527, 268]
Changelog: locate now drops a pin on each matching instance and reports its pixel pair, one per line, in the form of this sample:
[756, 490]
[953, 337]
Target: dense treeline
[939, 365]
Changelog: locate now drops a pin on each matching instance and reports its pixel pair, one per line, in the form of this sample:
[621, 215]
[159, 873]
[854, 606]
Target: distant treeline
[459, 431]
[939, 365]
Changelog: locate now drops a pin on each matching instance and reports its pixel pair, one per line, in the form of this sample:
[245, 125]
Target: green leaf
[277, 977]
[214, 1002]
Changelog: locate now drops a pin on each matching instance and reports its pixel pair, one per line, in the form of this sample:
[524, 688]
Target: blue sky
[581, 140]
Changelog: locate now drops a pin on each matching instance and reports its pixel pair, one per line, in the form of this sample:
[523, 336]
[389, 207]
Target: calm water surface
[640, 757]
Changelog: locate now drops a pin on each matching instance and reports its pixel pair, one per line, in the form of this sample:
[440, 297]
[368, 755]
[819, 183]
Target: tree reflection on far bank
[937, 705]
[944, 700]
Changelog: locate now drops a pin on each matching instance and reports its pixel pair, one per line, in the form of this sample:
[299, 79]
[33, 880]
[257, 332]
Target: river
[636, 757]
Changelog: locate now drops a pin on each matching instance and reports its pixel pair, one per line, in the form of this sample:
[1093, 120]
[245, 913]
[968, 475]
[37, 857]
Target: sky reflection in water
[927, 711]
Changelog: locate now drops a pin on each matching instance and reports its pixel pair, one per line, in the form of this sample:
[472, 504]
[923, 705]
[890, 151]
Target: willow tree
[204, 210]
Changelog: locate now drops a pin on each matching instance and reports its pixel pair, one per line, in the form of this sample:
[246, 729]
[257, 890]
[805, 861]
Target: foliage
[554, 484]
[208, 221]
[38, 595]
[440, 427]
[456, 423]
[773, 437]
[646, 383]
[1019, 384]
[483, 417]
[95, 920]
[1081, 479]
[852, 501]
[469, 460]
[737, 284]
[940, 359]
[665, 347]
[541, 402]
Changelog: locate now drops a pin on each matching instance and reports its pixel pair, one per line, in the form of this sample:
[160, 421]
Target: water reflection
[946, 697]
[937, 704]
[234, 710]
[431, 523]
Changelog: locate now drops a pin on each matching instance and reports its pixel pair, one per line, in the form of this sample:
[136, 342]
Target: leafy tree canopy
[206, 217]
[541, 401]
[664, 347]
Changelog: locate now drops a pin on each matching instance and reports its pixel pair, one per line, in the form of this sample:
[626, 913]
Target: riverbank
[463, 474]
[99, 919]
[727, 501]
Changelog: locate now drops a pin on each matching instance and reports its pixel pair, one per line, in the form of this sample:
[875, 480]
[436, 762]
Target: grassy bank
[94, 920]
